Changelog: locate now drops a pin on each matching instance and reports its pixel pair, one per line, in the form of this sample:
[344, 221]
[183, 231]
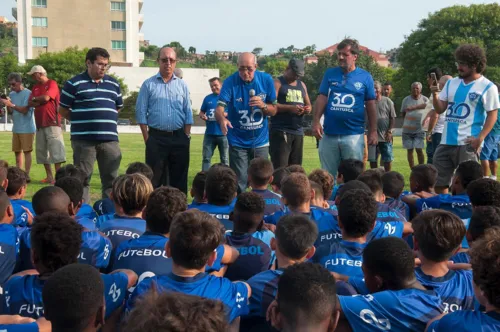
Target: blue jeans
[490, 148]
[239, 159]
[432, 146]
[210, 142]
[335, 148]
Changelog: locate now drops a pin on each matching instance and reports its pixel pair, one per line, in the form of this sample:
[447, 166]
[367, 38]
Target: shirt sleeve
[490, 99]
[104, 252]
[141, 105]
[403, 104]
[119, 97]
[218, 261]
[324, 86]
[68, 95]
[226, 93]
[393, 109]
[140, 289]
[240, 296]
[203, 107]
[370, 89]
[187, 107]
[270, 91]
[115, 289]
[53, 90]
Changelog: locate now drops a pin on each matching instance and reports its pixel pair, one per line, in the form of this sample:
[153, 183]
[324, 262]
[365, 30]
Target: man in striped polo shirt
[91, 101]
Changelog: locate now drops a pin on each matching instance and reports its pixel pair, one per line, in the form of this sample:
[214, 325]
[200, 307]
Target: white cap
[37, 69]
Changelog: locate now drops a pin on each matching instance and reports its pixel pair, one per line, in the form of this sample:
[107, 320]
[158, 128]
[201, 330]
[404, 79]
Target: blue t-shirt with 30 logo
[208, 107]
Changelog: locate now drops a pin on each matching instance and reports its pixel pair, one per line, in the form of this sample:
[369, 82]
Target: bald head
[167, 58]
[50, 199]
[247, 64]
[247, 59]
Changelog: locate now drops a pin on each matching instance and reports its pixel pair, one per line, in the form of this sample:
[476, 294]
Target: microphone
[251, 93]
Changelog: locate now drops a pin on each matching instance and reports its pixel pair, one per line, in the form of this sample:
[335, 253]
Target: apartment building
[54, 25]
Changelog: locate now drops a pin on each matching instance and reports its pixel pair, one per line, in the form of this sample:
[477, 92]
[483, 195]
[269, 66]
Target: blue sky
[237, 25]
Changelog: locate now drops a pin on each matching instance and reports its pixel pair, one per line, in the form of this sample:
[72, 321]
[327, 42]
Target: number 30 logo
[251, 120]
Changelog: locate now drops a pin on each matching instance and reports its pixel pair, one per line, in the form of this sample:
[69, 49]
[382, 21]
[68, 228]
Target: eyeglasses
[167, 60]
[461, 64]
[103, 65]
[249, 69]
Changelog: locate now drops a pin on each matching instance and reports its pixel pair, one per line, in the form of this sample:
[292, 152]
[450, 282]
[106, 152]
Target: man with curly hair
[471, 104]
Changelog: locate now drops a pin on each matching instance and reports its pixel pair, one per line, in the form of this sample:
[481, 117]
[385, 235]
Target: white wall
[24, 32]
[196, 79]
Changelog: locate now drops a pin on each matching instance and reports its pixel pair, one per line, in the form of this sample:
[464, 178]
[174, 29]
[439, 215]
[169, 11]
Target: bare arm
[38, 101]
[433, 117]
[65, 113]
[439, 105]
[319, 109]
[491, 118]
[371, 112]
[144, 130]
[416, 107]
[307, 100]
[280, 107]
[230, 255]
[187, 129]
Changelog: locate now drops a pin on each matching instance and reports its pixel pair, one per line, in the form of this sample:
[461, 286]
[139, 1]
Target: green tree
[179, 49]
[275, 67]
[8, 64]
[128, 110]
[257, 51]
[192, 50]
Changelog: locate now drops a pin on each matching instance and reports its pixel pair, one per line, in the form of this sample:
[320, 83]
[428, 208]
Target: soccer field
[132, 146]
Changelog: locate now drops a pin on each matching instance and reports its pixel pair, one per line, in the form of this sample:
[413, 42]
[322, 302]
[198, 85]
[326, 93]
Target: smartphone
[434, 79]
[3, 96]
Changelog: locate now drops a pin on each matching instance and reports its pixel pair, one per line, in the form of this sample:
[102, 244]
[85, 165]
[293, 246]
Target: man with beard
[471, 104]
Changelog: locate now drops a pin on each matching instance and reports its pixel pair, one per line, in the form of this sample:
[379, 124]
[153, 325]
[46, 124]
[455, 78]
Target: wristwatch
[264, 108]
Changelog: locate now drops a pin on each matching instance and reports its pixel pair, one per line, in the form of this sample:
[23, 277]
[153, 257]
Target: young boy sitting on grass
[16, 189]
[349, 169]
[278, 176]
[260, 175]
[393, 184]
[197, 191]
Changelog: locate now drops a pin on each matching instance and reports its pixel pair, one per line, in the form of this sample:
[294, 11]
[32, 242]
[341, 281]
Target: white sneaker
[493, 177]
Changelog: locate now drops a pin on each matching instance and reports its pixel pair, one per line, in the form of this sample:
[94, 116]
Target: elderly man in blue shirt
[163, 111]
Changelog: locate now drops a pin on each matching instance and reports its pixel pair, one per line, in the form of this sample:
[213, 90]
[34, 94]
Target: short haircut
[485, 261]
[350, 169]
[484, 192]
[163, 204]
[472, 55]
[73, 188]
[213, 79]
[72, 171]
[248, 204]
[17, 77]
[393, 184]
[4, 166]
[221, 185]
[296, 169]
[318, 189]
[437, 71]
[260, 171]
[4, 203]
[199, 184]
[387, 83]
[173, 311]
[357, 212]
[278, 176]
[439, 234]
[194, 235]
[17, 179]
[353, 185]
[469, 171]
[425, 175]
[373, 179]
[325, 179]
[296, 189]
[140, 168]
[55, 240]
[306, 290]
[50, 199]
[390, 258]
[377, 85]
[483, 218]
[131, 192]
[94, 52]
[349, 42]
[295, 235]
[72, 297]
[418, 84]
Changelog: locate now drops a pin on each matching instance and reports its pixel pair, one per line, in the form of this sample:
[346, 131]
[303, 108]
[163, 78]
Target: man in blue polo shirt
[91, 101]
[249, 97]
[344, 94]
[213, 135]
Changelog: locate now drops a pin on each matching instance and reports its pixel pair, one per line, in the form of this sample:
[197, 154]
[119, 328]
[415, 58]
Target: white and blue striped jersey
[468, 105]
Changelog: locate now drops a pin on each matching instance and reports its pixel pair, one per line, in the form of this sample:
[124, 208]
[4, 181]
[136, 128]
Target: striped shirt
[164, 106]
[94, 107]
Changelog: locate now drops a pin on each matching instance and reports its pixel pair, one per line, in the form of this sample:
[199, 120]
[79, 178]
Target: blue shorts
[490, 148]
[384, 149]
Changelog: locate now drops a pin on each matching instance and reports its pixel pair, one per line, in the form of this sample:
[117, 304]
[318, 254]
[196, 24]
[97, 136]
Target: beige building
[54, 25]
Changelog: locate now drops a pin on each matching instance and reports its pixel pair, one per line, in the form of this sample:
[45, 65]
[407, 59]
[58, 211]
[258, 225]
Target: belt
[163, 132]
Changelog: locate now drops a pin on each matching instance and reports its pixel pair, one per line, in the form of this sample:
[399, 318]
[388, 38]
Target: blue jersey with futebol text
[23, 295]
[101, 219]
[220, 212]
[347, 94]
[399, 206]
[86, 223]
[402, 310]
[343, 257]
[461, 257]
[121, 229]
[455, 288]
[208, 107]
[104, 206]
[9, 250]
[457, 204]
[20, 215]
[272, 200]
[467, 321]
[86, 211]
[387, 214]
[255, 256]
[250, 125]
[233, 295]
[468, 105]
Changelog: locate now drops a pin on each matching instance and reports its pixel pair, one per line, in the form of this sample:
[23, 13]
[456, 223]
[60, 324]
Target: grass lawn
[132, 147]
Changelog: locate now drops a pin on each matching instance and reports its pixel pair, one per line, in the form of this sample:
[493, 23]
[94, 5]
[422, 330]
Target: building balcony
[141, 3]
[14, 12]
[140, 36]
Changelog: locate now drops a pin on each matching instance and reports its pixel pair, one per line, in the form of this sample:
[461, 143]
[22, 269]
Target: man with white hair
[250, 98]
[49, 139]
[413, 109]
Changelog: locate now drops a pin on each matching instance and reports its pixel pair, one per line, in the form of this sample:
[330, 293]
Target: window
[40, 41]
[39, 22]
[117, 25]
[118, 44]
[118, 6]
[39, 3]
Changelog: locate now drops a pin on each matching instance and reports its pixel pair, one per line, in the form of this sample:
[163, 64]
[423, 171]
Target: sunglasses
[167, 60]
[249, 69]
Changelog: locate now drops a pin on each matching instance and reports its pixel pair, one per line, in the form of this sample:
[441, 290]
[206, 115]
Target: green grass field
[132, 147]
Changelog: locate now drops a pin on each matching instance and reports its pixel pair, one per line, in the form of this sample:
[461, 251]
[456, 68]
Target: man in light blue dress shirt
[163, 111]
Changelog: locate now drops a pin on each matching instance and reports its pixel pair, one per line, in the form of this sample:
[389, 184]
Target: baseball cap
[297, 66]
[37, 69]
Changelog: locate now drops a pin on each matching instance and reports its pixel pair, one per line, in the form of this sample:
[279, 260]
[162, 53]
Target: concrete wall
[196, 79]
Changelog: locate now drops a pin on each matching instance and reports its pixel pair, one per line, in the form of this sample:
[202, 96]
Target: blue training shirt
[28, 327]
[121, 229]
[402, 310]
[9, 250]
[20, 215]
[467, 321]
[220, 212]
[387, 214]
[233, 295]
[255, 256]
[343, 257]
[104, 206]
[399, 206]
[272, 200]
[250, 125]
[346, 93]
[461, 257]
[208, 107]
[86, 211]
